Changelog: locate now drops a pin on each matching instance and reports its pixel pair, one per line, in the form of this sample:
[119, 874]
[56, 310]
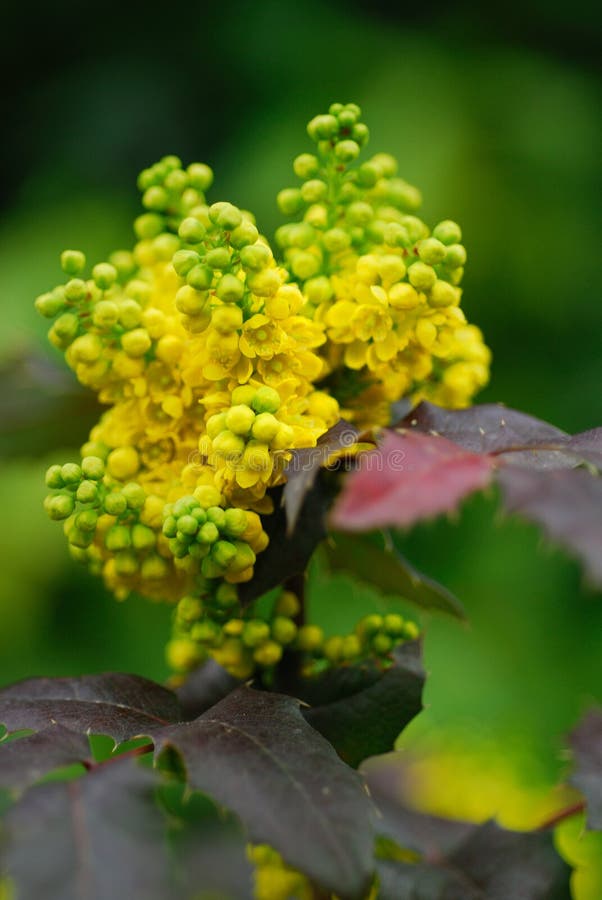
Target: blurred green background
[496, 117]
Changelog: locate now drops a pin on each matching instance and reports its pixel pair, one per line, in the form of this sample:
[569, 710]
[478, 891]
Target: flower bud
[448, 232]
[200, 176]
[72, 262]
[104, 275]
[422, 277]
[230, 289]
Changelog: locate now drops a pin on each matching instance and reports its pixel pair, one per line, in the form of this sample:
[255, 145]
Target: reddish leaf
[586, 743]
[566, 503]
[408, 478]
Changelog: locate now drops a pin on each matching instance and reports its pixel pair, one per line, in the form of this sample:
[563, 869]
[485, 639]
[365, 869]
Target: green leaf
[26, 760]
[586, 744]
[255, 754]
[96, 838]
[387, 570]
[364, 709]
[122, 706]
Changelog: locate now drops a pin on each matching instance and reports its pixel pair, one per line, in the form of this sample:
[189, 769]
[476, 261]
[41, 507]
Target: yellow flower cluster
[216, 361]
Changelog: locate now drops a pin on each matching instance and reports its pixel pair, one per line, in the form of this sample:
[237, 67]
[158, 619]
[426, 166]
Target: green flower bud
[104, 275]
[411, 631]
[322, 127]
[223, 552]
[216, 424]
[444, 294]
[347, 151]
[367, 175]
[386, 164]
[243, 395]
[235, 522]
[394, 625]
[284, 631]
[184, 505]
[227, 319]
[347, 117]
[192, 231]
[351, 647]
[310, 638]
[431, 251]
[54, 478]
[136, 342]
[244, 235]
[266, 399]
[189, 301]
[93, 467]
[184, 260]
[87, 492]
[360, 134]
[75, 290]
[143, 537]
[124, 262]
[130, 313]
[421, 276]
[206, 632]
[154, 567]
[314, 190]
[333, 649]
[134, 494]
[165, 245]
[225, 216]
[226, 595]
[318, 290]
[177, 548]
[73, 262]
[218, 258]
[290, 201]
[369, 625]
[156, 198]
[81, 539]
[211, 569]
[336, 239]
[105, 314]
[217, 515]
[455, 256]
[59, 506]
[396, 235]
[49, 305]
[305, 265]
[381, 644]
[66, 327]
[126, 564]
[148, 226]
[115, 504]
[170, 527]
[200, 277]
[118, 538]
[200, 176]
[301, 235]
[188, 525]
[230, 289]
[244, 559]
[176, 181]
[239, 419]
[359, 213]
[86, 520]
[265, 427]
[448, 232]
[306, 166]
[95, 448]
[199, 514]
[207, 533]
[255, 633]
[268, 654]
[255, 257]
[228, 445]
[71, 473]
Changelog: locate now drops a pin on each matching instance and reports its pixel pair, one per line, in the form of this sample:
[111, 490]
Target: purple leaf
[26, 760]
[122, 706]
[255, 754]
[567, 504]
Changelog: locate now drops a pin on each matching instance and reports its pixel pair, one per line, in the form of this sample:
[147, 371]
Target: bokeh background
[496, 117]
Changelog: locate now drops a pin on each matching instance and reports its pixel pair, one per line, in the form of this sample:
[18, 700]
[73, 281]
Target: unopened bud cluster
[216, 361]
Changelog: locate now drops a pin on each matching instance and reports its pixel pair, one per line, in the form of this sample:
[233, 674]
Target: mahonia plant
[218, 361]
[238, 384]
